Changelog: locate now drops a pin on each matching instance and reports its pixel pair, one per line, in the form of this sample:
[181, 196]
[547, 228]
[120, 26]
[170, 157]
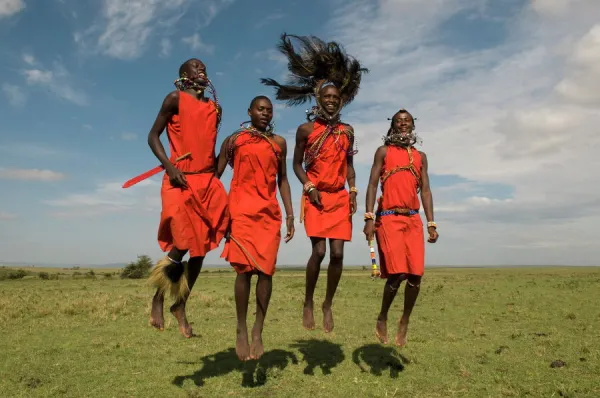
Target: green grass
[474, 332]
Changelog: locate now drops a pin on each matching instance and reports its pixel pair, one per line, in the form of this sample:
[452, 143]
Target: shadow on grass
[379, 359]
[319, 354]
[254, 373]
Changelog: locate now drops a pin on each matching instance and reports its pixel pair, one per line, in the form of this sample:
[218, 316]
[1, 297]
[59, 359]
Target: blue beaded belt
[391, 212]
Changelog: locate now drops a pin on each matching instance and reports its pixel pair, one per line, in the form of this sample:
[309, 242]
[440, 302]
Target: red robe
[329, 172]
[400, 238]
[195, 218]
[253, 205]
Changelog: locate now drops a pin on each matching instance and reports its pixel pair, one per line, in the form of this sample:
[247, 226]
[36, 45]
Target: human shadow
[226, 362]
[379, 359]
[255, 374]
[319, 354]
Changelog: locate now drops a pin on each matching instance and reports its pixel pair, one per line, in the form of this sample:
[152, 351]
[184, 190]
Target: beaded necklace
[398, 138]
[254, 132]
[333, 129]
[183, 84]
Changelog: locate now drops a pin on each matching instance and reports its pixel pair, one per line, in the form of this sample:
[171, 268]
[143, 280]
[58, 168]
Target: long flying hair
[315, 64]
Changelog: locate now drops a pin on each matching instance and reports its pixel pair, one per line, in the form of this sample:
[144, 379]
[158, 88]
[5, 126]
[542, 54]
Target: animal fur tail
[171, 277]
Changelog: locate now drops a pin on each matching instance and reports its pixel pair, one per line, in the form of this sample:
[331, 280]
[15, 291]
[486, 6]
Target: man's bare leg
[389, 293]
[334, 273]
[264, 287]
[178, 309]
[157, 319]
[411, 292]
[313, 269]
[242, 296]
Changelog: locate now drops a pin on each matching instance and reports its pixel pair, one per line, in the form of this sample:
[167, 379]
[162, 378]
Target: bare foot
[308, 319]
[157, 319]
[256, 349]
[402, 332]
[381, 331]
[178, 311]
[242, 348]
[327, 318]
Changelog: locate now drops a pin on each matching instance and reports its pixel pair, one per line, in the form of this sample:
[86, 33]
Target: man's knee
[337, 251]
[394, 281]
[413, 281]
[318, 251]
[176, 254]
[337, 255]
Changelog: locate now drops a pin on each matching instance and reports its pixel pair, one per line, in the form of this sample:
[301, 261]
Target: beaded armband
[369, 216]
[308, 187]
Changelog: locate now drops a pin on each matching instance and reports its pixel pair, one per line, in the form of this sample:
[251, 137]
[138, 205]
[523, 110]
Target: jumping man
[326, 146]
[194, 202]
[258, 159]
[397, 225]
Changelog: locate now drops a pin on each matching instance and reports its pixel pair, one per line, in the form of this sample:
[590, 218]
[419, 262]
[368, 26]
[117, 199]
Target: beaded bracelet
[309, 186]
[369, 216]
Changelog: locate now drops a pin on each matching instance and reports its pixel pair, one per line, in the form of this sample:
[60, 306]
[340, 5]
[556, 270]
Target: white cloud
[37, 76]
[582, 84]
[29, 59]
[195, 43]
[11, 7]
[32, 150]
[129, 136]
[520, 113]
[108, 198]
[31, 175]
[165, 48]
[269, 19]
[14, 94]
[58, 81]
[126, 27]
[555, 7]
[271, 55]
[4, 216]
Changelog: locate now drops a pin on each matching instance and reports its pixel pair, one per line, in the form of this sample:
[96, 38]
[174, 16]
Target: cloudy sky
[506, 93]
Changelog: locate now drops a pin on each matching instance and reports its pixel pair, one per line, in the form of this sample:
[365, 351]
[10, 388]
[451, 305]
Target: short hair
[184, 66]
[401, 111]
[257, 98]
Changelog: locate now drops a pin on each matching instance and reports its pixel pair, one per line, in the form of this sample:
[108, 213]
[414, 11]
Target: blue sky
[496, 88]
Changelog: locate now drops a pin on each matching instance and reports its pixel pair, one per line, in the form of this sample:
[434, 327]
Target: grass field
[474, 332]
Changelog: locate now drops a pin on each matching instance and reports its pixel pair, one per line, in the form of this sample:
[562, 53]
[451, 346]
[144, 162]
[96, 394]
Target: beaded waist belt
[405, 212]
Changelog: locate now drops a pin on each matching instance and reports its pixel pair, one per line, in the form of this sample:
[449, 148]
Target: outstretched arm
[351, 176]
[219, 115]
[284, 188]
[374, 178]
[301, 138]
[369, 229]
[222, 159]
[168, 108]
[427, 199]
[426, 196]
